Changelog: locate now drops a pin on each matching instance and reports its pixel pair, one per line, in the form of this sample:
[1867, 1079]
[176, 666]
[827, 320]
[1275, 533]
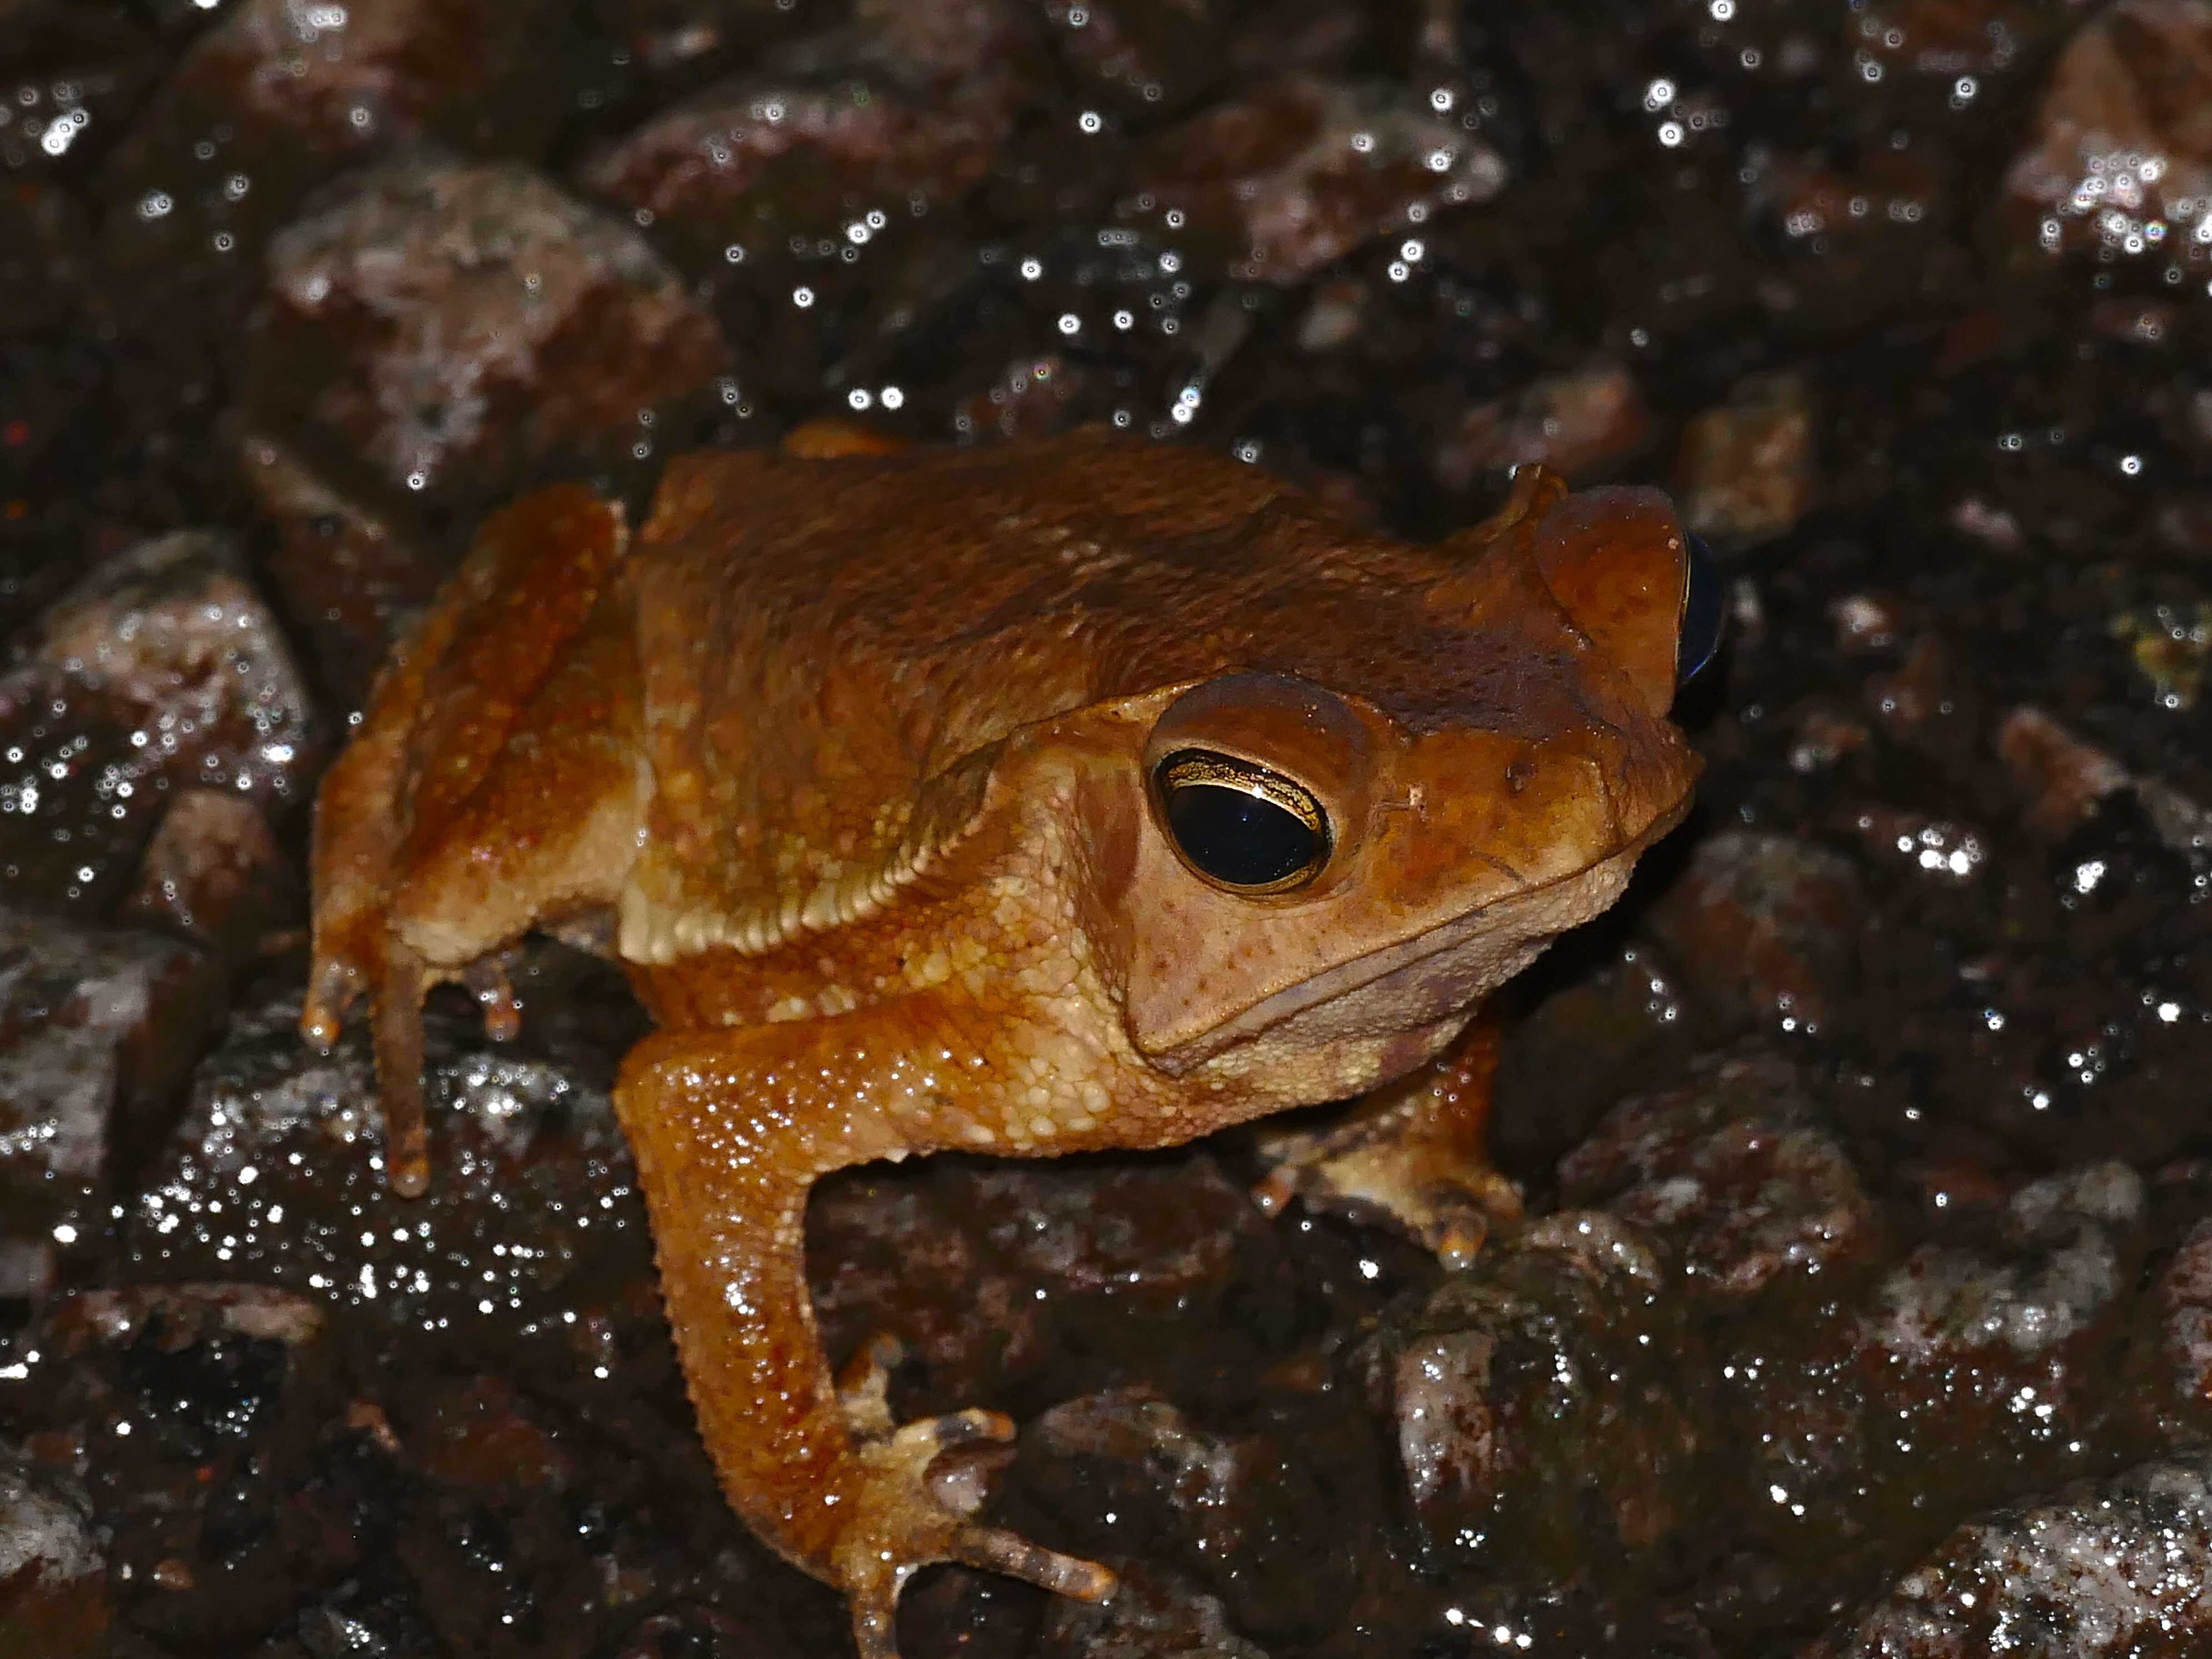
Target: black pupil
[1240, 839]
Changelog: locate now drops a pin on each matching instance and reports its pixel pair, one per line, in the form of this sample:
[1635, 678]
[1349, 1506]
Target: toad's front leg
[730, 1129]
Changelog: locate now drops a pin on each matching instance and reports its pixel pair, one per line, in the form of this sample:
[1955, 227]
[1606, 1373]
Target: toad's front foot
[1411, 1152]
[898, 1525]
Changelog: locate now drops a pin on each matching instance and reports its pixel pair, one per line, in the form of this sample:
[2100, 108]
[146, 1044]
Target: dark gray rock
[1738, 1172]
[1983, 1369]
[1248, 1517]
[53, 1579]
[2112, 1567]
[1150, 1615]
[98, 1032]
[1543, 1405]
[162, 671]
[275, 1174]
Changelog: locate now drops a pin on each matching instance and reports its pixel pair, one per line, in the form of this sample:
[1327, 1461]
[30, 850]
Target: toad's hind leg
[494, 657]
[731, 1128]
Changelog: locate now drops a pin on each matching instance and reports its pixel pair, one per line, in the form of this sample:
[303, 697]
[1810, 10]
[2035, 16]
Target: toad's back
[828, 655]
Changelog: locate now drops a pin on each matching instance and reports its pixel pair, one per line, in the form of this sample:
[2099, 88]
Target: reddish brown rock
[1983, 1369]
[1032, 399]
[1147, 54]
[906, 109]
[1152, 1615]
[1296, 173]
[2061, 777]
[1581, 423]
[1738, 1173]
[1245, 1515]
[352, 573]
[1946, 37]
[282, 94]
[213, 872]
[1764, 928]
[2170, 1363]
[1745, 469]
[454, 331]
[2121, 157]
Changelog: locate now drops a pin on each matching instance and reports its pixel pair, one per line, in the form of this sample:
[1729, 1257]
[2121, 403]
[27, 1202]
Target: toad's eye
[1239, 824]
[1699, 634]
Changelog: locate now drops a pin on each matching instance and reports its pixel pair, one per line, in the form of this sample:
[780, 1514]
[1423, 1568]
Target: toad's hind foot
[899, 1525]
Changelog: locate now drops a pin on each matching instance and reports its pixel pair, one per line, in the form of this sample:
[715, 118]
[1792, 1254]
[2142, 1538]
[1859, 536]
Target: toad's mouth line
[1347, 978]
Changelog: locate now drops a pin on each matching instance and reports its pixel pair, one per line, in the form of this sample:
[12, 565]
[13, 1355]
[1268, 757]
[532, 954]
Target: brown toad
[1024, 801]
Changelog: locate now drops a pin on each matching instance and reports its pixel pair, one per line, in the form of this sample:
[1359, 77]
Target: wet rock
[352, 574]
[2082, 1229]
[1941, 850]
[1152, 1615]
[1766, 928]
[2113, 1567]
[1883, 198]
[1993, 525]
[1825, 737]
[1745, 469]
[179, 1317]
[990, 1274]
[1298, 172]
[1615, 1029]
[454, 330]
[2180, 822]
[1145, 54]
[2186, 526]
[162, 671]
[1034, 398]
[2169, 1387]
[1581, 423]
[99, 1031]
[298, 91]
[275, 1174]
[906, 110]
[1948, 37]
[1738, 1173]
[1974, 1370]
[2121, 157]
[1908, 701]
[212, 872]
[1538, 1402]
[2138, 322]
[2061, 777]
[477, 1433]
[1248, 1516]
[183, 1408]
[53, 1581]
[1336, 316]
[2170, 644]
[1864, 621]
[693, 1632]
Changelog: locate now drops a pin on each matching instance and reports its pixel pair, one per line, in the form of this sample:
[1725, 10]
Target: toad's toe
[898, 1526]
